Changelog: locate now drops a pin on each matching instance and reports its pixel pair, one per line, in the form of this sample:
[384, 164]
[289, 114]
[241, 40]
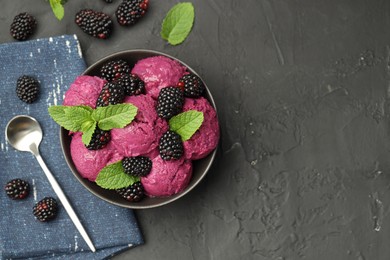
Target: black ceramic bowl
[200, 167]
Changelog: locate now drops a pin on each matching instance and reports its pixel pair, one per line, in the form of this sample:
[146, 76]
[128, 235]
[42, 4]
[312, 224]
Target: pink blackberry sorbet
[158, 72]
[88, 162]
[167, 177]
[84, 90]
[205, 140]
[142, 135]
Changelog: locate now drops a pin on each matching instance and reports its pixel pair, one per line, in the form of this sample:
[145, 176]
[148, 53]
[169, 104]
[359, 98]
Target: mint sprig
[57, 6]
[88, 130]
[59, 116]
[85, 119]
[186, 124]
[178, 22]
[80, 116]
[113, 177]
[116, 116]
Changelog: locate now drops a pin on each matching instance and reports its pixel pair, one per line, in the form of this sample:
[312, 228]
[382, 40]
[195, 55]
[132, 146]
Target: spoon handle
[61, 195]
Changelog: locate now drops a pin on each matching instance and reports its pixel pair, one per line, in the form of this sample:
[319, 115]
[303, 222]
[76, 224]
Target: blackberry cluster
[114, 69]
[137, 166]
[96, 24]
[192, 85]
[130, 11]
[133, 193]
[170, 146]
[23, 26]
[99, 140]
[111, 94]
[27, 89]
[45, 209]
[170, 102]
[132, 84]
[17, 189]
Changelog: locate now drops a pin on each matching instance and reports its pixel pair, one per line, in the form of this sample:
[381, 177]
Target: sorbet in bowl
[167, 179]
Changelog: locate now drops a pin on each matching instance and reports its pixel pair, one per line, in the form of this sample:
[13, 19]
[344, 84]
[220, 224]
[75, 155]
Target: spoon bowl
[23, 132]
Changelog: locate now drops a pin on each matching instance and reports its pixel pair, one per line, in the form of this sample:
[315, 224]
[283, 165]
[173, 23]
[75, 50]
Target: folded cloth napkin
[55, 62]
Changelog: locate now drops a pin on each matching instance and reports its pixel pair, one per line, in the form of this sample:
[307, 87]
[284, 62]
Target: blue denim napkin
[55, 62]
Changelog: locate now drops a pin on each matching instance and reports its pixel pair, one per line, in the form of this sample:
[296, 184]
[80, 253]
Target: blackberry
[137, 166]
[192, 85]
[108, 1]
[133, 193]
[23, 26]
[111, 94]
[132, 84]
[130, 11]
[96, 24]
[170, 146]
[27, 89]
[45, 209]
[170, 102]
[17, 189]
[114, 69]
[99, 140]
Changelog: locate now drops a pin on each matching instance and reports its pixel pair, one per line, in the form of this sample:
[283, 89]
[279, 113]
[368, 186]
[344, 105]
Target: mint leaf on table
[177, 24]
[59, 116]
[186, 123]
[114, 116]
[57, 8]
[113, 177]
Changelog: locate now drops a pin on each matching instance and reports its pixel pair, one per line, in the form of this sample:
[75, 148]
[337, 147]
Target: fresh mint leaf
[80, 116]
[88, 132]
[114, 116]
[186, 123]
[59, 116]
[113, 177]
[57, 8]
[177, 24]
[72, 118]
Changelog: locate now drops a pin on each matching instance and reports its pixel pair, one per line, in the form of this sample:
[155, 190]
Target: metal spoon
[25, 134]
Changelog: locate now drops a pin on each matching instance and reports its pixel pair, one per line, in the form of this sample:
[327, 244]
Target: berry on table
[96, 24]
[133, 193]
[17, 189]
[111, 94]
[170, 146]
[132, 84]
[192, 85]
[137, 166]
[45, 209]
[99, 140]
[23, 26]
[170, 102]
[27, 89]
[130, 11]
[114, 69]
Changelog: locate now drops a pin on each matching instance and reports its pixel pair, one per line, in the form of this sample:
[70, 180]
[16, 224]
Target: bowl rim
[169, 199]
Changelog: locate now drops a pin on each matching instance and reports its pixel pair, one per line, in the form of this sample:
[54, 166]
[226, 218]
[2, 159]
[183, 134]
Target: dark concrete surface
[302, 89]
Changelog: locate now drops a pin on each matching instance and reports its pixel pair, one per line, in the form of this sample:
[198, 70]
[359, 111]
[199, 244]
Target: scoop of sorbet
[204, 141]
[84, 91]
[142, 135]
[89, 162]
[167, 177]
[158, 72]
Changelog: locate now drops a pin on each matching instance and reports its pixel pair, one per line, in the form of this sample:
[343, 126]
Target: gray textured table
[302, 89]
